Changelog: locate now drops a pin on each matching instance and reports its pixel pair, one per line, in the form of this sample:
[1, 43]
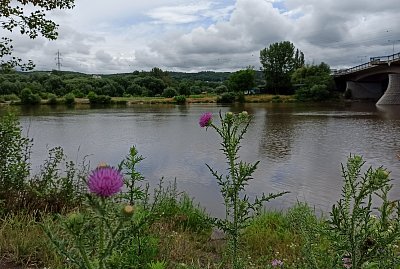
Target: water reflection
[391, 112]
[278, 133]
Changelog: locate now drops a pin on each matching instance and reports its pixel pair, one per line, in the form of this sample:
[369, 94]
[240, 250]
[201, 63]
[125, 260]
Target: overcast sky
[104, 36]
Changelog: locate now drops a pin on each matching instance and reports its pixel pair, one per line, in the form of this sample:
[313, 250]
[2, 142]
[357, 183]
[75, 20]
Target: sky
[120, 36]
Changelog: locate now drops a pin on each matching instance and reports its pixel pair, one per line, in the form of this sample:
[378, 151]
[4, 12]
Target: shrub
[315, 93]
[98, 99]
[44, 95]
[365, 234]
[180, 99]
[221, 89]
[91, 95]
[27, 97]
[52, 99]
[69, 98]
[14, 159]
[227, 97]
[11, 97]
[78, 93]
[169, 92]
[53, 190]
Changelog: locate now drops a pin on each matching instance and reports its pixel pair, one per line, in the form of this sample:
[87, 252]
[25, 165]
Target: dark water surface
[300, 147]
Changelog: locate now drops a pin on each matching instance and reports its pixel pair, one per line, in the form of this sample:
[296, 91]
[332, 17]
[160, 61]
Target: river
[300, 146]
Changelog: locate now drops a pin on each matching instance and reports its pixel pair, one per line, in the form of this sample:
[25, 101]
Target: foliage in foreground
[132, 229]
[239, 210]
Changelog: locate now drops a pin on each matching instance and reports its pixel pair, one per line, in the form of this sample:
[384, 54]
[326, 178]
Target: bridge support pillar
[392, 94]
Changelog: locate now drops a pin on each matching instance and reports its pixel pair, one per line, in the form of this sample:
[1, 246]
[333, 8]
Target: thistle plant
[365, 236]
[90, 237]
[238, 208]
[135, 192]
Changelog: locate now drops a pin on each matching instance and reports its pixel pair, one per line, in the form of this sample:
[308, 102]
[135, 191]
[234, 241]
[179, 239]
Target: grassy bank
[182, 238]
[201, 98]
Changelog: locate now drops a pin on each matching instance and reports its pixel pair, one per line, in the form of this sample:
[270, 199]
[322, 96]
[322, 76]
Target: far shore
[202, 98]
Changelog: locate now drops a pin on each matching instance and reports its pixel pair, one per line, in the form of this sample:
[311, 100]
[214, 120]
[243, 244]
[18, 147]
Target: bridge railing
[372, 62]
[388, 58]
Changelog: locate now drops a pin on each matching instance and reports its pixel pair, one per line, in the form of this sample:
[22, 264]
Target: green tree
[242, 80]
[279, 61]
[314, 82]
[13, 15]
[153, 85]
[169, 92]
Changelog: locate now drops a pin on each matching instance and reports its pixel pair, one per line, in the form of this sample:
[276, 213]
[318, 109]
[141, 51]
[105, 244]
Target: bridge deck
[374, 61]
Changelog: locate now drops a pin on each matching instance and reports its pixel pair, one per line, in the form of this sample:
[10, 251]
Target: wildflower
[205, 119]
[105, 181]
[276, 263]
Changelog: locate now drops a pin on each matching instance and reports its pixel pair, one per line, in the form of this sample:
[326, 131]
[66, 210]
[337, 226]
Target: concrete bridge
[378, 79]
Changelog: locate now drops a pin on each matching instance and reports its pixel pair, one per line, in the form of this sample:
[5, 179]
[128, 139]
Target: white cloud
[120, 36]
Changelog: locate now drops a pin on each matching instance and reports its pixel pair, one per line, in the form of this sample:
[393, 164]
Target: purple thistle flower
[276, 263]
[105, 181]
[205, 119]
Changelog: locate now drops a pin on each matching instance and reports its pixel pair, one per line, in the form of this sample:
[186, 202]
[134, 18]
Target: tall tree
[279, 61]
[13, 15]
[242, 80]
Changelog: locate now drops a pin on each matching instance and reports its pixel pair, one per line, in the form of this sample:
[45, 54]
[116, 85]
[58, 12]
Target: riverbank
[181, 237]
[192, 99]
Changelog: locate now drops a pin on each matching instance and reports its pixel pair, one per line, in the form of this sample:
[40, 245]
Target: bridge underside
[365, 90]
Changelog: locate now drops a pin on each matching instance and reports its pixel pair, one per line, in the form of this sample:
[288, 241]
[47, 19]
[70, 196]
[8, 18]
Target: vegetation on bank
[283, 68]
[69, 216]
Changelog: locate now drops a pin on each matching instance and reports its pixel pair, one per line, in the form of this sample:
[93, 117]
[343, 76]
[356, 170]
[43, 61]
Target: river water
[300, 146]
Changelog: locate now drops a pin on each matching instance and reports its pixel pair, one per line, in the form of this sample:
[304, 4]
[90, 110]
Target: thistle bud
[229, 115]
[102, 165]
[128, 210]
[74, 221]
[244, 114]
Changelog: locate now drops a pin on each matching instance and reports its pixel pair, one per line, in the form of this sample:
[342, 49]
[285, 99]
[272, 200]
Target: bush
[315, 93]
[78, 94]
[14, 157]
[98, 99]
[44, 95]
[52, 99]
[364, 224]
[27, 97]
[169, 92]
[11, 97]
[227, 98]
[221, 89]
[180, 99]
[69, 98]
